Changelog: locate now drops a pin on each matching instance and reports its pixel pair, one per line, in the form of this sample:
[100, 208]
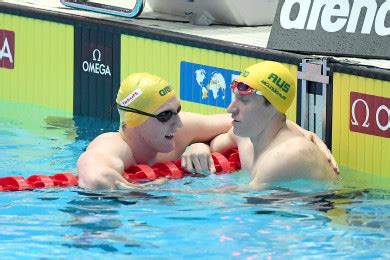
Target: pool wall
[177, 62]
[76, 64]
[360, 121]
[43, 62]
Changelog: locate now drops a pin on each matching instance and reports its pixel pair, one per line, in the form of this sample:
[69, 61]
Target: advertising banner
[7, 49]
[370, 114]
[96, 72]
[358, 28]
[206, 84]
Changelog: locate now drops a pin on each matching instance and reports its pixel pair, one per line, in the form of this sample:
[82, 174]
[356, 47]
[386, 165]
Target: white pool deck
[247, 36]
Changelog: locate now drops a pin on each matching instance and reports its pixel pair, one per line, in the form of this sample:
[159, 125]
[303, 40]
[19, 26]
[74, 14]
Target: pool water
[298, 219]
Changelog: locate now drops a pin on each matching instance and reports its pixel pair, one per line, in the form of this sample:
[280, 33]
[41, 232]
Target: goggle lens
[243, 88]
[165, 116]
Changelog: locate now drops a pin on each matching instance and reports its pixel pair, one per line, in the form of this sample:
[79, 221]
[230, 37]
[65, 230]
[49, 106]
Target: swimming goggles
[244, 89]
[163, 117]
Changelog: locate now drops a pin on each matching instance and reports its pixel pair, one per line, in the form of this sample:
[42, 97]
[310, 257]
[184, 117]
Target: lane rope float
[227, 162]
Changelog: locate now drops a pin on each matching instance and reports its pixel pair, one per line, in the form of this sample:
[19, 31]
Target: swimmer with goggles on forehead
[273, 150]
[244, 89]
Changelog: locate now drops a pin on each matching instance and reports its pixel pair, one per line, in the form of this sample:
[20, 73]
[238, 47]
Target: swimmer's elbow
[85, 164]
[93, 173]
[97, 179]
[95, 184]
[318, 167]
[222, 143]
[255, 185]
[328, 173]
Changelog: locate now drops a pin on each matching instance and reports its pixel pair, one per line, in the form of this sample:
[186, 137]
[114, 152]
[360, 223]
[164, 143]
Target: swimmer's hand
[126, 186]
[312, 137]
[197, 158]
[324, 150]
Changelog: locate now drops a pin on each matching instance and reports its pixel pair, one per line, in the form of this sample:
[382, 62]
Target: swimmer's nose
[177, 120]
[232, 108]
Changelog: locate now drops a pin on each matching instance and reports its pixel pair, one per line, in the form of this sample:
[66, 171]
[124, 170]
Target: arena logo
[336, 14]
[370, 114]
[7, 49]
[95, 66]
[165, 91]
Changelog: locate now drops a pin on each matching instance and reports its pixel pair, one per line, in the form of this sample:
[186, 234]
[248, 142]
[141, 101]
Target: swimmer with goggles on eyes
[152, 129]
[163, 117]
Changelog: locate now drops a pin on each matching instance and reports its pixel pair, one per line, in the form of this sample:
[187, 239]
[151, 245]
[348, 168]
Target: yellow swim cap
[145, 92]
[273, 80]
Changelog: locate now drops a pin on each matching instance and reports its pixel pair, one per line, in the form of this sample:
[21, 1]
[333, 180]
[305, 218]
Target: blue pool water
[300, 219]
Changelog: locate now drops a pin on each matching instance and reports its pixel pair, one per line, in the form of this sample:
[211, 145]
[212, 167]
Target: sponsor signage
[7, 49]
[94, 64]
[96, 72]
[205, 84]
[165, 91]
[369, 114]
[131, 97]
[358, 28]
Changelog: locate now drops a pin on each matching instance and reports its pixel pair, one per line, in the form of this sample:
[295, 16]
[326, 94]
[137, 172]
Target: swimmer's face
[250, 114]
[160, 135]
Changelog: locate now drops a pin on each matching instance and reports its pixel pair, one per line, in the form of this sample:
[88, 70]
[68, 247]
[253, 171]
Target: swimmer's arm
[272, 168]
[203, 128]
[301, 159]
[197, 158]
[151, 186]
[196, 128]
[223, 142]
[130, 186]
[99, 170]
[312, 137]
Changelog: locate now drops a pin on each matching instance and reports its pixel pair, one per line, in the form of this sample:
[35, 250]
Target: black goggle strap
[163, 116]
[133, 110]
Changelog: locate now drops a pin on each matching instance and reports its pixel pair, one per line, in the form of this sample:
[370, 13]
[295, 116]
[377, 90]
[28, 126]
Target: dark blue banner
[205, 84]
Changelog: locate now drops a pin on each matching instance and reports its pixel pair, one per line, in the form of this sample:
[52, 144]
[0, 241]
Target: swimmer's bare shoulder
[291, 157]
[111, 143]
[311, 160]
[104, 160]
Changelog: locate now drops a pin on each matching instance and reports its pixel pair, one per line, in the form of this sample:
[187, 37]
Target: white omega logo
[384, 128]
[95, 66]
[354, 121]
[380, 126]
[99, 55]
